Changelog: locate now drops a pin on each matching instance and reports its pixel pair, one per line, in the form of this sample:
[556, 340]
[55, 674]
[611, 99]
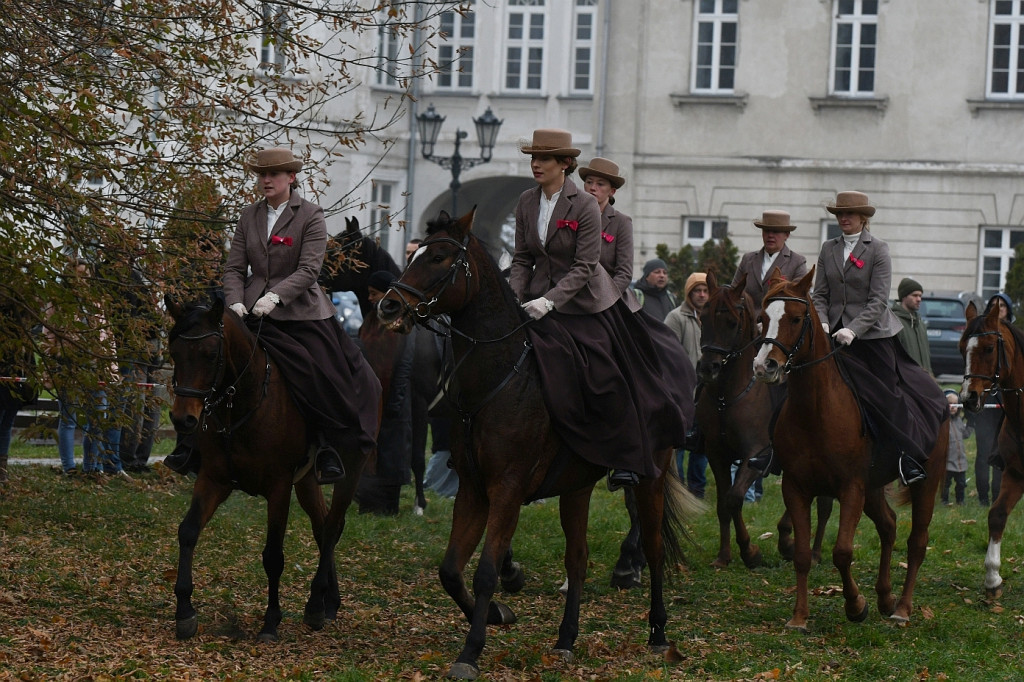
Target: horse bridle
[424, 308]
[1001, 361]
[790, 352]
[730, 353]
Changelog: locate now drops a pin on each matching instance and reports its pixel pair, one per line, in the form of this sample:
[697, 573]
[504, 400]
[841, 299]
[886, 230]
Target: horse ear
[806, 281]
[173, 307]
[971, 312]
[993, 315]
[775, 277]
[465, 223]
[712, 281]
[352, 226]
[217, 308]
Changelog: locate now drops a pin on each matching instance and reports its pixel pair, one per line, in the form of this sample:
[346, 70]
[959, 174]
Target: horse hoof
[417, 510]
[754, 558]
[315, 620]
[564, 654]
[513, 579]
[500, 614]
[624, 580]
[658, 649]
[862, 616]
[720, 563]
[463, 671]
[186, 628]
[994, 592]
[801, 628]
[266, 637]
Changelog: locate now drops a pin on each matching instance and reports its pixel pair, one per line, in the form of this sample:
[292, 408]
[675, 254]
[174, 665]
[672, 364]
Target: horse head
[727, 327]
[196, 347]
[987, 345]
[789, 327]
[351, 259]
[439, 279]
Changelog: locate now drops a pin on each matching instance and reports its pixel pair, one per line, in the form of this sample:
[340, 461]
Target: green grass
[87, 569]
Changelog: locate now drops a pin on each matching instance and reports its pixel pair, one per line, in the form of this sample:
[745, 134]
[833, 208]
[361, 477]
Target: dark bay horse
[506, 450]
[351, 259]
[231, 395]
[734, 411]
[994, 353]
[825, 449]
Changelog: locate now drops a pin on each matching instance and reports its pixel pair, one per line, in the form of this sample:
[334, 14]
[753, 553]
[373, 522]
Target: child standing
[956, 457]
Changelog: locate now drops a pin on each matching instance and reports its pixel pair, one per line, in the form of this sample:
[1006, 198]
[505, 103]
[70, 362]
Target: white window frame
[456, 61]
[1014, 87]
[828, 228]
[383, 194]
[712, 228]
[857, 20]
[717, 19]
[530, 49]
[389, 46]
[271, 58]
[584, 48]
[1001, 255]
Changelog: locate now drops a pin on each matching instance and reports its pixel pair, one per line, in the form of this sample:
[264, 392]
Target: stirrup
[622, 478]
[763, 462]
[327, 465]
[910, 470]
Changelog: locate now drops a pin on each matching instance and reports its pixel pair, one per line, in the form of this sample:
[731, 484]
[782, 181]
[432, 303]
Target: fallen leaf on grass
[927, 613]
[969, 522]
[672, 654]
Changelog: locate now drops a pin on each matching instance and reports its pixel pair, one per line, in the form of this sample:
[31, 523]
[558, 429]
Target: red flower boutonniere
[287, 241]
[608, 237]
[856, 261]
[571, 224]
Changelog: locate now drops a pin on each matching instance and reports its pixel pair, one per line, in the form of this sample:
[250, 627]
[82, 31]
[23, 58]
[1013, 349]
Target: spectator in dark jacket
[652, 290]
[914, 336]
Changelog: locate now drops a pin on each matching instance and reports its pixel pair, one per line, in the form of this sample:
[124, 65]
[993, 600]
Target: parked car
[945, 319]
[347, 305]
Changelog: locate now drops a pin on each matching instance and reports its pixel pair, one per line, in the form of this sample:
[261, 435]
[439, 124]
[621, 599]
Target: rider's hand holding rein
[538, 307]
[239, 309]
[844, 336]
[267, 302]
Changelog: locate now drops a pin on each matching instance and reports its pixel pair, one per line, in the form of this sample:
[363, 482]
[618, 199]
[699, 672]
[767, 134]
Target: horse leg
[723, 483]
[324, 598]
[1010, 490]
[574, 510]
[511, 574]
[851, 506]
[651, 505]
[824, 506]
[798, 505]
[278, 501]
[419, 448]
[878, 510]
[785, 528]
[501, 525]
[749, 552]
[629, 567]
[206, 497]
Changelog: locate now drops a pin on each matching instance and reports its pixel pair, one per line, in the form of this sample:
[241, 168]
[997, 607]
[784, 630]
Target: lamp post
[487, 126]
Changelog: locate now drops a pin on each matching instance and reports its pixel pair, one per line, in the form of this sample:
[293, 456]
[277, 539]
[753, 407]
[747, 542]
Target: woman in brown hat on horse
[271, 280]
[600, 180]
[617, 382]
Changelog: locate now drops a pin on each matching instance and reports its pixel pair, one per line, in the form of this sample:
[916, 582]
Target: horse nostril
[387, 306]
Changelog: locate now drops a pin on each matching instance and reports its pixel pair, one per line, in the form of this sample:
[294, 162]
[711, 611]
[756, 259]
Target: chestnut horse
[506, 450]
[734, 411]
[825, 449]
[231, 395]
[994, 353]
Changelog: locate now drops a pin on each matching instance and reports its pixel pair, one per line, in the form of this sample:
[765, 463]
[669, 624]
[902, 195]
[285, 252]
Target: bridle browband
[805, 326]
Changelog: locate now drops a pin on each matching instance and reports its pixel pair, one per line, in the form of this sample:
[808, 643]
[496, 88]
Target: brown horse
[734, 411]
[825, 449]
[506, 450]
[994, 353]
[231, 395]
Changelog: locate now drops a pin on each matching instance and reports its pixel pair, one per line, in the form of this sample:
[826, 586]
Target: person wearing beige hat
[600, 180]
[270, 280]
[904, 405]
[756, 267]
[588, 339]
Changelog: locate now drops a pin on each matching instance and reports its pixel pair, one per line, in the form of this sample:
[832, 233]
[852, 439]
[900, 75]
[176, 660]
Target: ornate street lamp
[487, 126]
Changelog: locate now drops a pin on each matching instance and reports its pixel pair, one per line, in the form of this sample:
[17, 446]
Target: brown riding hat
[275, 159]
[603, 168]
[551, 141]
[851, 202]
[776, 221]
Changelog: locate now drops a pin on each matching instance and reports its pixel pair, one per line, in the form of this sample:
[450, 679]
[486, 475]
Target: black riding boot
[763, 462]
[185, 456]
[911, 471]
[327, 463]
[622, 478]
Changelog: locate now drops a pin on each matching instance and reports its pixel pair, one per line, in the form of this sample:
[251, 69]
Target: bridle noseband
[218, 374]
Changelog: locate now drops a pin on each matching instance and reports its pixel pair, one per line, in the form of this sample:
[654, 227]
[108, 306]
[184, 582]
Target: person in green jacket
[914, 336]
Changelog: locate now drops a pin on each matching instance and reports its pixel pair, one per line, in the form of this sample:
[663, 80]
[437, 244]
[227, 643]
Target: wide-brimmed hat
[275, 159]
[851, 202]
[603, 168]
[551, 141]
[776, 221]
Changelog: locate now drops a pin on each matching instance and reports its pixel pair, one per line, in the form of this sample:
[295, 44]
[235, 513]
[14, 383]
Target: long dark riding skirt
[904, 402]
[327, 376]
[617, 384]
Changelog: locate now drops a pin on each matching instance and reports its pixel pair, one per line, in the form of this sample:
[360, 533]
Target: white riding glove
[824, 325]
[239, 309]
[844, 336]
[266, 303]
[538, 307]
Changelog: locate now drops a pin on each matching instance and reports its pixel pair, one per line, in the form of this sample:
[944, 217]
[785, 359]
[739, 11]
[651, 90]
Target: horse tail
[680, 505]
[899, 495]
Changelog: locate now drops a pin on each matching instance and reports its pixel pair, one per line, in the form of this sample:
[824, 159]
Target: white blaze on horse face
[416, 254]
[774, 311]
[972, 345]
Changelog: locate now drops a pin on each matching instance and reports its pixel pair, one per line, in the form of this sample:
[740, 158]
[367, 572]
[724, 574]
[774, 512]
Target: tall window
[455, 54]
[524, 46]
[583, 46]
[696, 231]
[997, 247]
[715, 30]
[854, 41]
[381, 195]
[828, 229]
[1006, 63]
[275, 25]
[388, 45]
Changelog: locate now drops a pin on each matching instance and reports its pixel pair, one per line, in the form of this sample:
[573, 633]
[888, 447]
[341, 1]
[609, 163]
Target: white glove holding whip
[844, 336]
[538, 307]
[266, 303]
[239, 309]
